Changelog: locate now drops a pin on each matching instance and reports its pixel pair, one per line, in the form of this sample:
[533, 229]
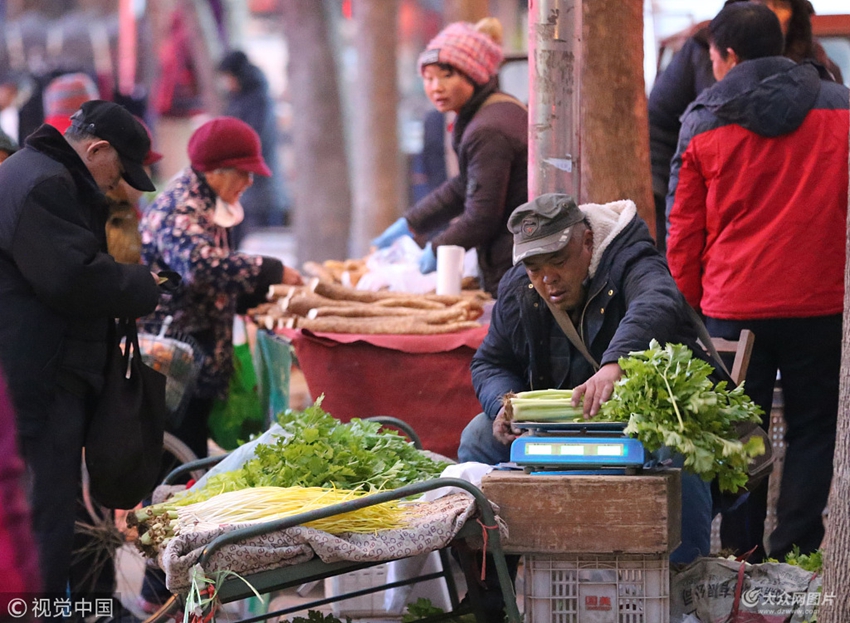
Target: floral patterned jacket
[178, 233]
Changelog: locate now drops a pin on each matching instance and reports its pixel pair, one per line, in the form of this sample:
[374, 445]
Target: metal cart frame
[315, 569]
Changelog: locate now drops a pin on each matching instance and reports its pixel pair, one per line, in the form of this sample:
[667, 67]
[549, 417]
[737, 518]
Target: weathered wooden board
[638, 514]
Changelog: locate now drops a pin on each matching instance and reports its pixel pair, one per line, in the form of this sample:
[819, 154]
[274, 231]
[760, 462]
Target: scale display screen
[575, 449]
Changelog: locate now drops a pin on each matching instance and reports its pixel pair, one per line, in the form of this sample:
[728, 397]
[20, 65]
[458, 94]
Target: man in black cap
[594, 268]
[60, 292]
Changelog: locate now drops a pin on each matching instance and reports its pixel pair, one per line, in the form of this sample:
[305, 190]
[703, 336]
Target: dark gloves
[169, 280]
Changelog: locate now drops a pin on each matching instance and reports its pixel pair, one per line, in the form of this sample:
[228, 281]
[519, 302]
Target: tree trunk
[835, 597]
[376, 152]
[465, 10]
[322, 214]
[615, 132]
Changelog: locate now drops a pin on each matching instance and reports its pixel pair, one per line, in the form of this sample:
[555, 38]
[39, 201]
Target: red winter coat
[757, 208]
[18, 558]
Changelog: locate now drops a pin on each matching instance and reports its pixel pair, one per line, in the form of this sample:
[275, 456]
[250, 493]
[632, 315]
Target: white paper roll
[449, 269]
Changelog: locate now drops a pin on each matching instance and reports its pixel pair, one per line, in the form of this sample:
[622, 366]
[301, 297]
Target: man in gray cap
[595, 266]
[61, 291]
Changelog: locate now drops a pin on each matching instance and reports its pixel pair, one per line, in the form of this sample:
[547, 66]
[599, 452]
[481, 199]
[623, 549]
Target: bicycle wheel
[105, 548]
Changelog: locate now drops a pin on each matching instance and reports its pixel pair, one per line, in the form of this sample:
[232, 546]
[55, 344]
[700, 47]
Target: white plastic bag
[396, 268]
[242, 454]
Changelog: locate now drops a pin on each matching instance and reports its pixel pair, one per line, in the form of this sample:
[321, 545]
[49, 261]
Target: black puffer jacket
[59, 288]
[688, 74]
[631, 300]
[491, 140]
[253, 104]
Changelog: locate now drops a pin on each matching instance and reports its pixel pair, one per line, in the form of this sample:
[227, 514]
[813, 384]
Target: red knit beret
[463, 47]
[227, 143]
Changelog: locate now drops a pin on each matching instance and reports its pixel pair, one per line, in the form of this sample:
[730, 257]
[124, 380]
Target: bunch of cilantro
[324, 452]
[668, 400]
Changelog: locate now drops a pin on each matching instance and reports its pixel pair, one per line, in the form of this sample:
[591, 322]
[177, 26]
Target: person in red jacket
[756, 212]
[19, 575]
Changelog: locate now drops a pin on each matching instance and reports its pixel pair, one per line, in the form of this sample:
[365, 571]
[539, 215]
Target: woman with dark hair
[689, 74]
[266, 202]
[795, 19]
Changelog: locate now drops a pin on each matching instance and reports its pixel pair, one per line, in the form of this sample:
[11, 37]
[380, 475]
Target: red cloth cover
[421, 379]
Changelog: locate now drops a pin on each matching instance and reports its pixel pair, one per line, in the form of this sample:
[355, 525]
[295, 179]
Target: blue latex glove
[391, 233]
[428, 260]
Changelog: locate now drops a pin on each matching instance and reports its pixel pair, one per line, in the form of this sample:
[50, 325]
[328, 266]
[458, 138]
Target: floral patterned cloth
[178, 233]
[433, 526]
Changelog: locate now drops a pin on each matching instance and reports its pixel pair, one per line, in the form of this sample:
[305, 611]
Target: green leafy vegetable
[809, 562]
[324, 452]
[668, 400]
[314, 616]
[423, 608]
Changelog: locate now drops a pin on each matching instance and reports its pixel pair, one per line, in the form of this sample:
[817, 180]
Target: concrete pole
[588, 130]
[554, 58]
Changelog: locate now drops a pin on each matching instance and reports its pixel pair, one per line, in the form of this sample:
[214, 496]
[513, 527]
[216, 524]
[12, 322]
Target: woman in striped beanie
[459, 70]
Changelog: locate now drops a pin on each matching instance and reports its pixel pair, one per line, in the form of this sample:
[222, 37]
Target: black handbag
[123, 446]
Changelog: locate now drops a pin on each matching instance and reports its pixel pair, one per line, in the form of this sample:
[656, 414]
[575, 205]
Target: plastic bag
[717, 589]
[273, 363]
[396, 268]
[241, 415]
[242, 455]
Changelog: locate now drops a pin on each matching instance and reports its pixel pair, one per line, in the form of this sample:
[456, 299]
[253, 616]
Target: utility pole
[588, 130]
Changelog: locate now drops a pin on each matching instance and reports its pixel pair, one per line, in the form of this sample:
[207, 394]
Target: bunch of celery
[543, 405]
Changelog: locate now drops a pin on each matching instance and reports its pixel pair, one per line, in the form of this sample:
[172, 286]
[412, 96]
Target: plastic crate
[375, 605]
[597, 589]
[368, 605]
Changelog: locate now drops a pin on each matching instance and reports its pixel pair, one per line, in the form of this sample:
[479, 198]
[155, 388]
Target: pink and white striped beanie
[466, 49]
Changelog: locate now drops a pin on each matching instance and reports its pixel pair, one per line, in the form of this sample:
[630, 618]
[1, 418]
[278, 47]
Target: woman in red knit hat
[187, 230]
[490, 136]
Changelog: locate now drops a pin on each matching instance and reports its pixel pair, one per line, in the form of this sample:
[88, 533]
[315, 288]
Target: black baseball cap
[543, 225]
[116, 125]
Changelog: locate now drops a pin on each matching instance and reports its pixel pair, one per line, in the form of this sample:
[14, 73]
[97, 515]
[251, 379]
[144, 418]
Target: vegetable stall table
[282, 553]
[421, 379]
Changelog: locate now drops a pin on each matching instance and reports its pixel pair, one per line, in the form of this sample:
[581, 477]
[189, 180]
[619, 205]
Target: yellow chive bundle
[259, 504]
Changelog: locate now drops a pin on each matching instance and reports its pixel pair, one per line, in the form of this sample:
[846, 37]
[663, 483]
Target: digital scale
[576, 448]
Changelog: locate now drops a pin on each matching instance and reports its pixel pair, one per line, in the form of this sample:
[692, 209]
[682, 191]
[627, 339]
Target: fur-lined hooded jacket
[631, 299]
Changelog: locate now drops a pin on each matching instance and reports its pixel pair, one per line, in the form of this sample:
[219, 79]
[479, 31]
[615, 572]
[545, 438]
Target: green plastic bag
[234, 420]
[273, 362]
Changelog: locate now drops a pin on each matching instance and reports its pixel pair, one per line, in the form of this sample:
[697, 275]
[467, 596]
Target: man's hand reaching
[503, 429]
[597, 389]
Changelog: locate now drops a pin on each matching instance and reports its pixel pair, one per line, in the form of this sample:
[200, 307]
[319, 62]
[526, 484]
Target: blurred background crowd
[177, 63]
